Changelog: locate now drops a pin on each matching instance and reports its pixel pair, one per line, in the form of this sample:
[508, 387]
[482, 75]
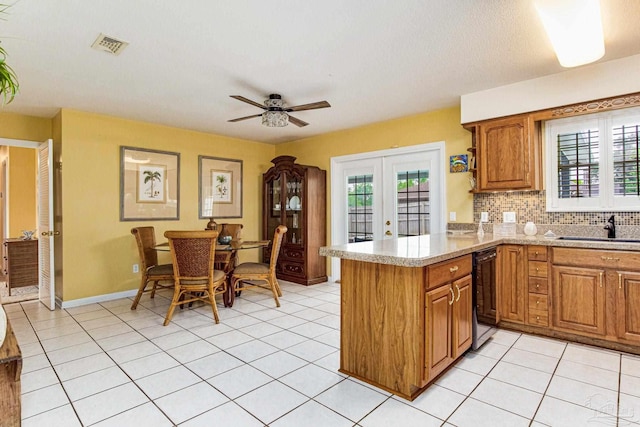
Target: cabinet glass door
[275, 206]
[294, 210]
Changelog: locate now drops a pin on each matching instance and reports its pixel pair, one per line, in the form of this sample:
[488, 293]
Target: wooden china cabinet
[295, 195]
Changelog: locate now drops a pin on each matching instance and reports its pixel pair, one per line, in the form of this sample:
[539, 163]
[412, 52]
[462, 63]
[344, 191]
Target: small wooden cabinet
[448, 311]
[295, 195]
[508, 154]
[21, 263]
[511, 282]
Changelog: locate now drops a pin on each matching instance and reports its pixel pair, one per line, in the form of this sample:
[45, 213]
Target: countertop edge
[351, 252]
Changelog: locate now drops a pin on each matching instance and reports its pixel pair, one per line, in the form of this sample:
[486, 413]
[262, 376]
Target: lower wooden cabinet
[511, 282]
[448, 324]
[628, 306]
[579, 300]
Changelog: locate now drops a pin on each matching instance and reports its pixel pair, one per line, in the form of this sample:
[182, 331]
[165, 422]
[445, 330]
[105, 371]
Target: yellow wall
[99, 250]
[442, 125]
[22, 193]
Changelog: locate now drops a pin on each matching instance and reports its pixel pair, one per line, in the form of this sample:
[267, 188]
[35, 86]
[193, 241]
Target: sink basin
[598, 239]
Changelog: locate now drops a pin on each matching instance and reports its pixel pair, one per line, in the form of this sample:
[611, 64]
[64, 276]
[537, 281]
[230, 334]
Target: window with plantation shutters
[593, 162]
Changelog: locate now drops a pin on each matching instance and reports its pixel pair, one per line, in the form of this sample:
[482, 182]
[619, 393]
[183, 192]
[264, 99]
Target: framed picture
[149, 184]
[458, 163]
[220, 187]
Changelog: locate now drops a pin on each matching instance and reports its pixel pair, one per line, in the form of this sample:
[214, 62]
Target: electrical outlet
[136, 268]
[508, 217]
[484, 216]
[452, 216]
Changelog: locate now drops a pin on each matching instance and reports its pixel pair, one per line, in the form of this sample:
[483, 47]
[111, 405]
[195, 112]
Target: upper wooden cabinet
[508, 153]
[295, 195]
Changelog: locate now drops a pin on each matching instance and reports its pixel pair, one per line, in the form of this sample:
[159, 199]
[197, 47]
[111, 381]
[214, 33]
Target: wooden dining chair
[193, 255]
[252, 274]
[161, 276]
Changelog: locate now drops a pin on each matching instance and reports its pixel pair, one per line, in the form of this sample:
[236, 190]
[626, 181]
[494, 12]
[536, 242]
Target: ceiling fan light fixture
[574, 28]
[275, 119]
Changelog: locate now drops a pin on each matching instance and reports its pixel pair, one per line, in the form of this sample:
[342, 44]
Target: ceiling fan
[276, 113]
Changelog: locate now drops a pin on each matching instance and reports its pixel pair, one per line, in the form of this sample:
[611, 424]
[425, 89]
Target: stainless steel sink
[598, 239]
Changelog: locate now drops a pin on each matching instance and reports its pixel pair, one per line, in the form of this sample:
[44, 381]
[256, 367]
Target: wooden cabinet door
[438, 306]
[578, 299]
[504, 153]
[461, 316]
[628, 310]
[511, 282]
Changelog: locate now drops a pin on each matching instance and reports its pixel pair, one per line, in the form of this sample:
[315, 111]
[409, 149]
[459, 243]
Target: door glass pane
[360, 208]
[412, 188]
[275, 209]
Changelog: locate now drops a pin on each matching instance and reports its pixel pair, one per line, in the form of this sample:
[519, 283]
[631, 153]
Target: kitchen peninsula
[406, 302]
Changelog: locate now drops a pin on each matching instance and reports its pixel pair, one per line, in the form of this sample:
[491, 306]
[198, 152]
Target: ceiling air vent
[109, 44]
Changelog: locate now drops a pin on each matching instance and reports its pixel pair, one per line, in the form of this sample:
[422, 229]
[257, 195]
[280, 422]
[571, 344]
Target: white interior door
[46, 267]
[387, 194]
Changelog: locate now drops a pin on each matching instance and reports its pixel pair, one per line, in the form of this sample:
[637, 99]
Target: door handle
[50, 233]
[458, 297]
[453, 296]
[388, 233]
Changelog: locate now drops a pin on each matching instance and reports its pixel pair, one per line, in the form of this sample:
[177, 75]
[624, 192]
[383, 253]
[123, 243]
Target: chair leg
[277, 287]
[274, 288]
[174, 302]
[153, 290]
[140, 292]
[212, 301]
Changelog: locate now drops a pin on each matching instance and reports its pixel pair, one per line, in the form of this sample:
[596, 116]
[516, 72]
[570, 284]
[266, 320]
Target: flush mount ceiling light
[575, 29]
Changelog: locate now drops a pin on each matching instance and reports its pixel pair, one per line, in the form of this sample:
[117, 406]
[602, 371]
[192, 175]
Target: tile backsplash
[531, 206]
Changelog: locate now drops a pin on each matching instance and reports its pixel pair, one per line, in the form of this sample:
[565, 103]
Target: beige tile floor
[105, 365]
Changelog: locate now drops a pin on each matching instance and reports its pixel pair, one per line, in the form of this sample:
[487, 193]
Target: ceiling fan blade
[312, 106]
[248, 101]
[297, 122]
[244, 118]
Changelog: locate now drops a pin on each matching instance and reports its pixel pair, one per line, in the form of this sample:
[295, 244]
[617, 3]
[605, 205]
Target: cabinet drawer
[539, 318]
[596, 258]
[538, 303]
[446, 271]
[292, 268]
[538, 285]
[291, 253]
[537, 253]
[538, 269]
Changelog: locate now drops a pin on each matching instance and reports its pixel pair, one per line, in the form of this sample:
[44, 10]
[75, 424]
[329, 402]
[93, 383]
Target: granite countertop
[418, 251]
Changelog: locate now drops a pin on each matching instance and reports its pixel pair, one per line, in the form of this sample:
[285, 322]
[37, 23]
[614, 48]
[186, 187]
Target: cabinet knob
[536, 252]
[538, 286]
[453, 269]
[537, 302]
[388, 233]
[537, 317]
[537, 269]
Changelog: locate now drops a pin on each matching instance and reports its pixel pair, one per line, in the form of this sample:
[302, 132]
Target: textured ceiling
[372, 60]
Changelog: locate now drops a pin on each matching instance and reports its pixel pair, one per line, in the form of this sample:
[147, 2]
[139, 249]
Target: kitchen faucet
[611, 228]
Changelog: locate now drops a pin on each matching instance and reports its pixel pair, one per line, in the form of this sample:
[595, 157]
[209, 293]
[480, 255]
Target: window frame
[604, 122]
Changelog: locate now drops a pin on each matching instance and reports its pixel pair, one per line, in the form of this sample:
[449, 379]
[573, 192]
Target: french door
[387, 194]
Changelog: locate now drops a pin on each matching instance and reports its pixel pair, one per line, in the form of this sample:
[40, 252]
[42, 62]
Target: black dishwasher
[484, 296]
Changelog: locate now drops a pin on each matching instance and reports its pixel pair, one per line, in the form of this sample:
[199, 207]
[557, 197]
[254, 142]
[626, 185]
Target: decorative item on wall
[220, 187]
[149, 184]
[458, 163]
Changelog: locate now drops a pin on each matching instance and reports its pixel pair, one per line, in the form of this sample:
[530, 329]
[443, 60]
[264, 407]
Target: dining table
[226, 258]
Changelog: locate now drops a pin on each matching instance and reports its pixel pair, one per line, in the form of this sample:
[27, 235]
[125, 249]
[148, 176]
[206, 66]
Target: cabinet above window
[507, 153]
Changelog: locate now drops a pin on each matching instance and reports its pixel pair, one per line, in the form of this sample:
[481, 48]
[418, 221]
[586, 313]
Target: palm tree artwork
[151, 176]
[222, 184]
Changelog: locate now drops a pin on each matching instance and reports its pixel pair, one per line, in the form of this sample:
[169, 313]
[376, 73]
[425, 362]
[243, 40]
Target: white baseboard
[96, 299]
